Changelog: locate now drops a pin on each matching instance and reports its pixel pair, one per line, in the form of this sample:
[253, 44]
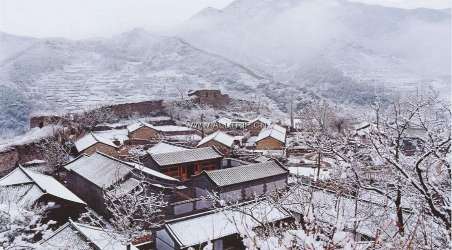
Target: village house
[185, 163]
[222, 123]
[256, 125]
[27, 188]
[216, 226]
[271, 138]
[242, 182]
[91, 143]
[222, 141]
[74, 235]
[91, 176]
[146, 131]
[212, 97]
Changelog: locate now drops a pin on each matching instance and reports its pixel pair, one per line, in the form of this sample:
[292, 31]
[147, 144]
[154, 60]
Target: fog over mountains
[343, 51]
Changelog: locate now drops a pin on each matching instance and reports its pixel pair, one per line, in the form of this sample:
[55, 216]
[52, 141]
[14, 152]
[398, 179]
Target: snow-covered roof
[34, 162]
[244, 173]
[46, 184]
[189, 155]
[276, 133]
[100, 169]
[90, 139]
[113, 134]
[137, 125]
[279, 128]
[310, 172]
[79, 236]
[172, 128]
[220, 223]
[163, 128]
[264, 120]
[125, 187]
[224, 121]
[220, 137]
[154, 173]
[164, 147]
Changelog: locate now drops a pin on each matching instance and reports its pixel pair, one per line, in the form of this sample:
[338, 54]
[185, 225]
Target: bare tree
[133, 214]
[54, 153]
[89, 119]
[21, 225]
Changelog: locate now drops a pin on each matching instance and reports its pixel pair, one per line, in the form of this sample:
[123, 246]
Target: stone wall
[124, 110]
[138, 108]
[211, 97]
[8, 159]
[18, 154]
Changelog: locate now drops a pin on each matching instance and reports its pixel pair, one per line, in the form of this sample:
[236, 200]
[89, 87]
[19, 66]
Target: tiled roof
[45, 183]
[164, 147]
[90, 139]
[277, 133]
[100, 169]
[220, 137]
[245, 173]
[261, 119]
[189, 155]
[79, 236]
[163, 128]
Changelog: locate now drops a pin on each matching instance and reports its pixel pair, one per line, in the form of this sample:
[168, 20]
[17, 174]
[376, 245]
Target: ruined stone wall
[138, 108]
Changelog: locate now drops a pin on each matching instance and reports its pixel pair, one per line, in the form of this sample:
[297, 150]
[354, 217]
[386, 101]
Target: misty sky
[93, 18]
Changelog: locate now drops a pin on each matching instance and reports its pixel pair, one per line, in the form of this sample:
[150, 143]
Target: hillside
[331, 46]
[54, 75]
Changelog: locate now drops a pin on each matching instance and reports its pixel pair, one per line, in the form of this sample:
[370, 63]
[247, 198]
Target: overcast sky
[92, 18]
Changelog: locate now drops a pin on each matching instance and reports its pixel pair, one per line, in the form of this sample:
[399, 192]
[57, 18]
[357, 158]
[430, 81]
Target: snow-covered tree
[54, 152]
[21, 225]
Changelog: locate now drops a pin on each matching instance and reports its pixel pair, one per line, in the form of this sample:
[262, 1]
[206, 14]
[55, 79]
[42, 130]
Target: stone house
[146, 131]
[242, 182]
[92, 143]
[184, 164]
[256, 125]
[271, 138]
[28, 188]
[91, 176]
[216, 226]
[220, 140]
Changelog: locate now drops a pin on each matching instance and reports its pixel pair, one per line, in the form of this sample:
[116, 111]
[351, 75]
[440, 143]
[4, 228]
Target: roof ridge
[213, 211]
[12, 173]
[115, 159]
[34, 181]
[62, 227]
[75, 159]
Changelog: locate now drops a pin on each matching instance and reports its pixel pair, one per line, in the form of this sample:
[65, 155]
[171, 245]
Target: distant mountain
[54, 75]
[343, 50]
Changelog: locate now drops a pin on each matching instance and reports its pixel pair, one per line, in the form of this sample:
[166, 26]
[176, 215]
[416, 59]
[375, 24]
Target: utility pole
[202, 125]
[318, 165]
[291, 112]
